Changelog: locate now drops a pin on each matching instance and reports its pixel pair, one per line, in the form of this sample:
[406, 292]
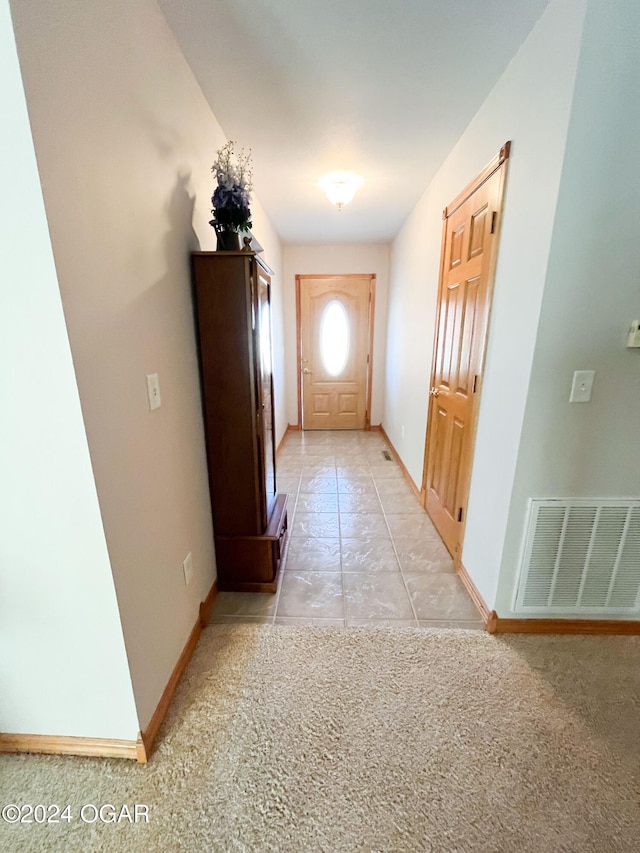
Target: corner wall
[337, 259]
[592, 293]
[125, 141]
[63, 666]
[529, 105]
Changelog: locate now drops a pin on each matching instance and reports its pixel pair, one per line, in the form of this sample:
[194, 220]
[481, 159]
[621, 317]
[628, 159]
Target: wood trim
[150, 733]
[474, 593]
[494, 624]
[563, 626]
[479, 180]
[434, 358]
[207, 605]
[372, 292]
[138, 750]
[299, 349]
[396, 456]
[62, 745]
[372, 316]
[290, 428]
[500, 160]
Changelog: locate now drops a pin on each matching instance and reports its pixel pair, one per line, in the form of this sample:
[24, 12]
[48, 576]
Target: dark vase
[228, 239]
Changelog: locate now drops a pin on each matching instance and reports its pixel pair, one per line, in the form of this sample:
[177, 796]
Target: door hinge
[475, 384]
[494, 219]
[460, 514]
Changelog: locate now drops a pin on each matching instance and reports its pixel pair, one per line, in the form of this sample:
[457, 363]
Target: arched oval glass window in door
[334, 338]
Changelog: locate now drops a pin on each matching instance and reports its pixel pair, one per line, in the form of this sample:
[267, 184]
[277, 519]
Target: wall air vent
[582, 557]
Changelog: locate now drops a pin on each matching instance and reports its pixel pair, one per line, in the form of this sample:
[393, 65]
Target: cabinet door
[265, 379]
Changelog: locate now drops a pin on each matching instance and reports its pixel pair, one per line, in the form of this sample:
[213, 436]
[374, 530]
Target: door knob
[306, 370]
[435, 392]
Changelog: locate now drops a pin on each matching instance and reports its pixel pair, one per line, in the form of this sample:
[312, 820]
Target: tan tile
[356, 486]
[381, 623]
[357, 525]
[353, 470]
[402, 504]
[243, 604]
[354, 458]
[313, 555]
[386, 471]
[317, 502]
[325, 470]
[441, 597]
[436, 623]
[302, 620]
[411, 524]
[362, 478]
[368, 555]
[418, 554]
[312, 524]
[368, 502]
[287, 484]
[377, 596]
[393, 486]
[311, 594]
[312, 483]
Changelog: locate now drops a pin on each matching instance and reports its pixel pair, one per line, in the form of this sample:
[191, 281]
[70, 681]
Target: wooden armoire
[232, 292]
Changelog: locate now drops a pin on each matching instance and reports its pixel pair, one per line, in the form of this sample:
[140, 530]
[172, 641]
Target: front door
[466, 276]
[334, 358]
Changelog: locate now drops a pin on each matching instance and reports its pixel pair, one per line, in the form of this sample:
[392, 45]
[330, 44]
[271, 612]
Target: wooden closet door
[467, 267]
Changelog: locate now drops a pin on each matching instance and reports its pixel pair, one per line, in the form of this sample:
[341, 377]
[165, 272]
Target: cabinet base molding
[495, 624]
[252, 563]
[62, 745]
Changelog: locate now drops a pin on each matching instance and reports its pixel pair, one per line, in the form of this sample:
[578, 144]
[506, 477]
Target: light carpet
[331, 739]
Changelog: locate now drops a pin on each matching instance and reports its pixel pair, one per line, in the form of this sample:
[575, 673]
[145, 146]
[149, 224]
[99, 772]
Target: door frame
[372, 305]
[500, 161]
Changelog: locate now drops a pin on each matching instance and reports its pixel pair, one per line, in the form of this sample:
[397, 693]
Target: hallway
[361, 549]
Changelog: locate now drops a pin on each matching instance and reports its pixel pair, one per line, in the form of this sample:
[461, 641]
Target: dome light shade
[340, 187]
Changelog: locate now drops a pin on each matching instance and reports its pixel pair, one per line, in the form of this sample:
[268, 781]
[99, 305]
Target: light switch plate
[582, 386]
[153, 391]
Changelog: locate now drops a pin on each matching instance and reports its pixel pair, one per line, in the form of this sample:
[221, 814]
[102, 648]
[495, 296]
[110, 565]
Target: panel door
[463, 310]
[334, 351]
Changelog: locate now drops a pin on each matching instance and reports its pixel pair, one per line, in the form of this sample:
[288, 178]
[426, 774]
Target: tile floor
[361, 549]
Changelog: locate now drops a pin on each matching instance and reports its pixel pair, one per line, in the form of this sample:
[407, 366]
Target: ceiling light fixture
[340, 187]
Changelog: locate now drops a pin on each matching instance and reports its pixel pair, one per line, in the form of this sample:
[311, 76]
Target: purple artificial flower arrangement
[232, 196]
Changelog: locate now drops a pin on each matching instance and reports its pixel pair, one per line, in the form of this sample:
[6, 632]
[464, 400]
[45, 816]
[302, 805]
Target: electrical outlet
[153, 391]
[582, 386]
[187, 566]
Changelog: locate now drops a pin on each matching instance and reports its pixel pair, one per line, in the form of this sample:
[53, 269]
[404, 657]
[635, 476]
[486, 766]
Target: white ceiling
[379, 87]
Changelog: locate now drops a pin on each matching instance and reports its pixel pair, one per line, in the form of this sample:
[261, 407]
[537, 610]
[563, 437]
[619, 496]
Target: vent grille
[581, 557]
[387, 455]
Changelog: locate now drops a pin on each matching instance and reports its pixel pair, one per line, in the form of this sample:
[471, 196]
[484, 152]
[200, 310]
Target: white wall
[63, 666]
[592, 293]
[337, 259]
[273, 257]
[125, 141]
[529, 105]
